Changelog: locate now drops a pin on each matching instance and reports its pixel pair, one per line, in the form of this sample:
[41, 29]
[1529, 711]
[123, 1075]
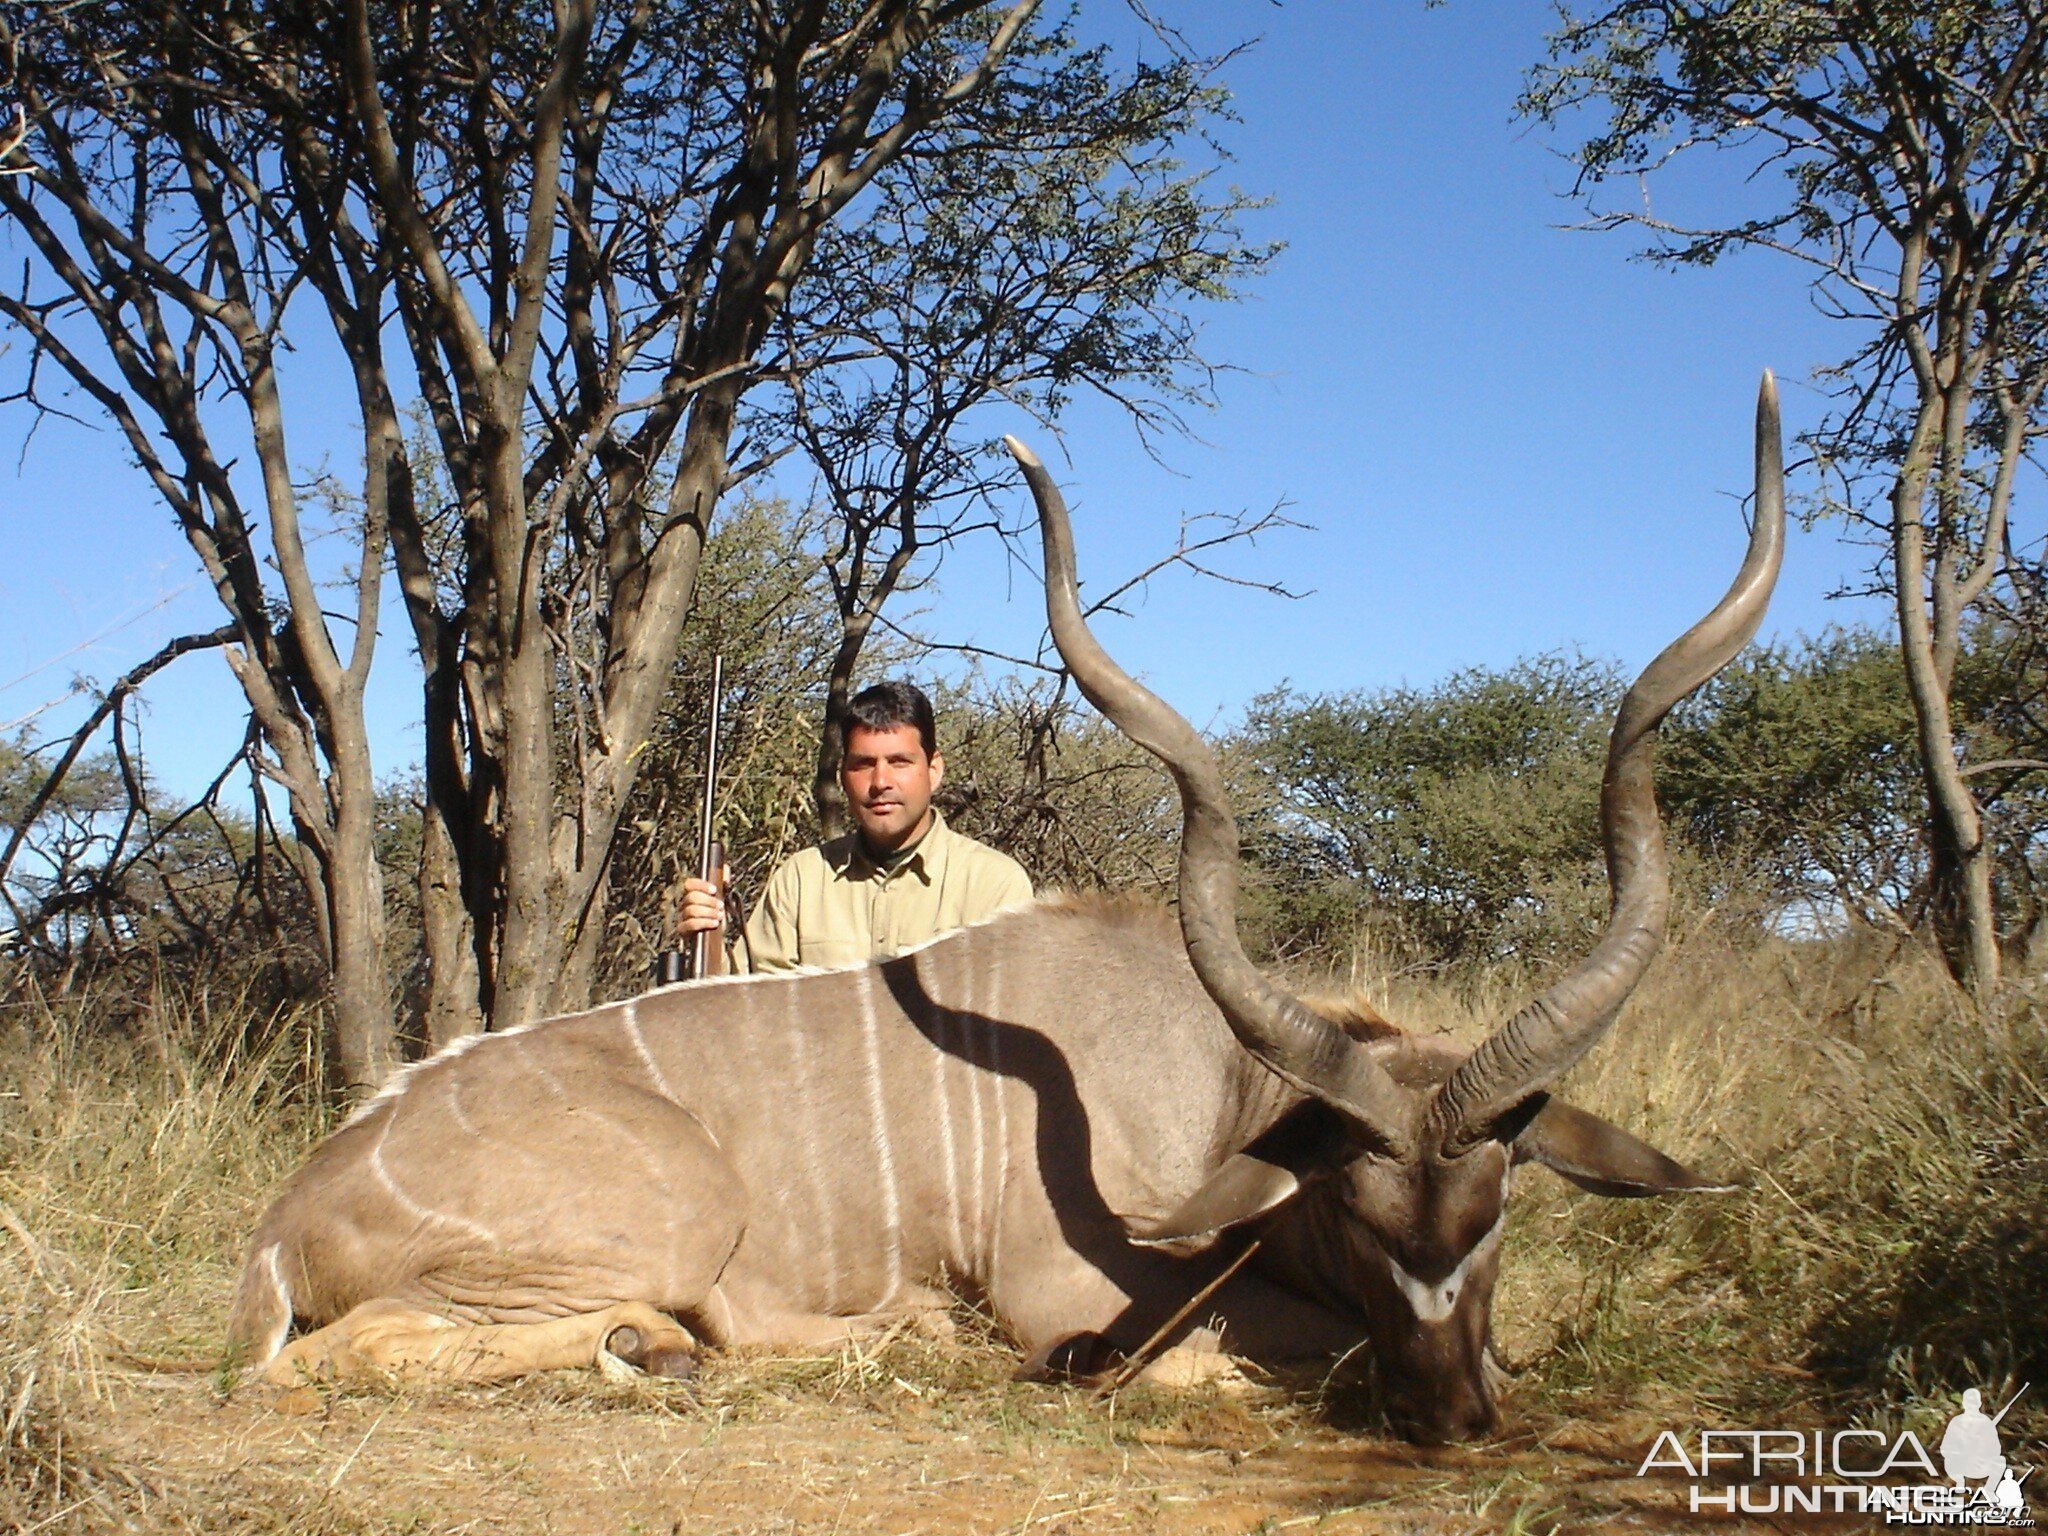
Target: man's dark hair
[885, 706]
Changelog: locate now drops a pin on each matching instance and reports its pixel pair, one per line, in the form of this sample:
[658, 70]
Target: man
[897, 880]
[1969, 1448]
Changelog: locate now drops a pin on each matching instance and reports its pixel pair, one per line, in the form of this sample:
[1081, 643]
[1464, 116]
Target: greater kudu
[1045, 1110]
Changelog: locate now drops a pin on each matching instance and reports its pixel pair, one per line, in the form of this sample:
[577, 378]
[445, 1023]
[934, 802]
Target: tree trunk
[529, 943]
[576, 985]
[826, 792]
[453, 1008]
[1961, 906]
[365, 1028]
[651, 632]
[1959, 871]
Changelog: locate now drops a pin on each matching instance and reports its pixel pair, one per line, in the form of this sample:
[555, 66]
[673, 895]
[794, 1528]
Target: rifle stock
[704, 946]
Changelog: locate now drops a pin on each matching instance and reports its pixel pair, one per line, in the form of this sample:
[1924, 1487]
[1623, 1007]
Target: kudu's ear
[1603, 1158]
[1305, 1144]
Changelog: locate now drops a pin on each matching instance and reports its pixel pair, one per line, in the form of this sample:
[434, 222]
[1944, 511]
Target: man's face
[889, 781]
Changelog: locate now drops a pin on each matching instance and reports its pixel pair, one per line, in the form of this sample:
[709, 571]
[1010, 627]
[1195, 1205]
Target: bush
[1450, 812]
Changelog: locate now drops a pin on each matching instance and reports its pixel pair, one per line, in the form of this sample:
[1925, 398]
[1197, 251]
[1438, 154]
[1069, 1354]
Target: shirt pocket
[830, 952]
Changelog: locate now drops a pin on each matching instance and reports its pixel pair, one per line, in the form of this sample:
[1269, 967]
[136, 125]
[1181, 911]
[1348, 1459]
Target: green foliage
[69, 837]
[1458, 816]
[1459, 822]
[1798, 768]
[1797, 765]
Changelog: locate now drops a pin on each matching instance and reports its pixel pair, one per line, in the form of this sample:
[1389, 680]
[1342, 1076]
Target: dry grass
[129, 1171]
[1891, 1247]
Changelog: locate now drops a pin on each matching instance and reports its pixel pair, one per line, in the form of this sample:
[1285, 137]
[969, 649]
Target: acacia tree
[2004, 674]
[1035, 261]
[566, 232]
[1908, 135]
[1794, 771]
[1442, 807]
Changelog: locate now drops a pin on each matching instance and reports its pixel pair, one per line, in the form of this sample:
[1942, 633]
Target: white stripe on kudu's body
[413, 1208]
[942, 1100]
[885, 1155]
[629, 1013]
[269, 1274]
[992, 1223]
[809, 1175]
[969, 1028]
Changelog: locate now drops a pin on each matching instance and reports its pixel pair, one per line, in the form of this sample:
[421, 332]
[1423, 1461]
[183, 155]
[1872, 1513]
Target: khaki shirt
[832, 905]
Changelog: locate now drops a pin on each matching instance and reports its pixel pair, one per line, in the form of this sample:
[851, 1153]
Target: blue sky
[1507, 437]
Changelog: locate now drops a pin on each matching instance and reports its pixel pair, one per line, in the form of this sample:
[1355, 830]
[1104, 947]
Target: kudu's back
[750, 1150]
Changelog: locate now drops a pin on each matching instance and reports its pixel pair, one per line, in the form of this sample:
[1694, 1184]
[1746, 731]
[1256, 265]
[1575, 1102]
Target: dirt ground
[874, 1443]
[1887, 1255]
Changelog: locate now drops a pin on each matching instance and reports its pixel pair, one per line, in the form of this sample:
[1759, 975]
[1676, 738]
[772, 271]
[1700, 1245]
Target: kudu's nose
[1446, 1420]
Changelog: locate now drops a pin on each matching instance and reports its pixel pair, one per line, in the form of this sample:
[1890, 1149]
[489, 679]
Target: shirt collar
[860, 864]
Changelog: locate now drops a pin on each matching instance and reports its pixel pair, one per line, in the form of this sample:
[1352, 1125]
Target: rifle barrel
[700, 947]
[2015, 1398]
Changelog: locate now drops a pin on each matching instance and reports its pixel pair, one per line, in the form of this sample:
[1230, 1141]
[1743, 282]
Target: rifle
[673, 965]
[2008, 1407]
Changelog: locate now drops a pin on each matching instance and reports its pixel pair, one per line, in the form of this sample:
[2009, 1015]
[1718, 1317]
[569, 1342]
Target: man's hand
[703, 908]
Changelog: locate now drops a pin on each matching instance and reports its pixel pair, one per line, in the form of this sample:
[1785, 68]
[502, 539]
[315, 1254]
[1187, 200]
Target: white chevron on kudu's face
[1434, 1301]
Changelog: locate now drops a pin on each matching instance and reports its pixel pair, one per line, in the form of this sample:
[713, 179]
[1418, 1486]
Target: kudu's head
[1410, 1142]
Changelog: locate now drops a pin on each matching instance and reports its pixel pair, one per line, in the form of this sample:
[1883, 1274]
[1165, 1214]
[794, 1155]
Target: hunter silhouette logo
[1855, 1471]
[1970, 1453]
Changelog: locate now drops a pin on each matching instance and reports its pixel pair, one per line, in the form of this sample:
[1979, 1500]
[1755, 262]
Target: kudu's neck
[1255, 1103]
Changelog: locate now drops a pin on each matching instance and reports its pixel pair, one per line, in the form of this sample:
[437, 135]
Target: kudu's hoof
[654, 1357]
[1077, 1357]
